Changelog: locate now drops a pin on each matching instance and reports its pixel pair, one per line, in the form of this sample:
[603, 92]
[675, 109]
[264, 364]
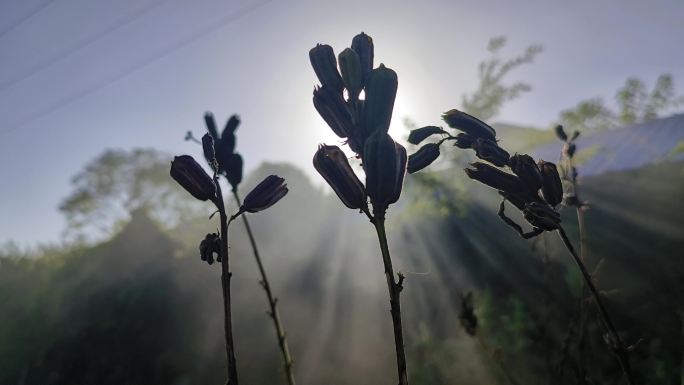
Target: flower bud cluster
[364, 124]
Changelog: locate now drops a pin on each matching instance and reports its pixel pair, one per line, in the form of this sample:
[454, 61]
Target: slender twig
[225, 282]
[394, 288]
[581, 343]
[616, 344]
[272, 301]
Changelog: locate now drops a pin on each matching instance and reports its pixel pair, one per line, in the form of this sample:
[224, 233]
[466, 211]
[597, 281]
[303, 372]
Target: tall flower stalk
[229, 165]
[191, 176]
[535, 188]
[364, 124]
[571, 198]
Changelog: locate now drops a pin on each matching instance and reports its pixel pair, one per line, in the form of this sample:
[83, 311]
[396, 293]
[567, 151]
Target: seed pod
[352, 74]
[334, 167]
[542, 216]
[526, 169]
[209, 153]
[233, 170]
[264, 195]
[423, 157]
[381, 90]
[469, 124]
[228, 134]
[488, 150]
[324, 64]
[569, 149]
[334, 110]
[560, 133]
[362, 44]
[211, 124]
[552, 187]
[495, 178]
[420, 134]
[384, 162]
[189, 174]
[209, 246]
[575, 134]
[464, 141]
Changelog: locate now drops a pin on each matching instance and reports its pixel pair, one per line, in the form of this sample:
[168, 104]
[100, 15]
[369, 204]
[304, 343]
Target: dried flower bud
[569, 149]
[233, 170]
[420, 134]
[469, 124]
[352, 74]
[211, 124]
[265, 194]
[526, 169]
[495, 178]
[228, 135]
[333, 165]
[209, 153]
[325, 65]
[552, 187]
[334, 110]
[560, 133]
[189, 174]
[210, 245]
[381, 90]
[488, 150]
[467, 314]
[384, 162]
[542, 216]
[464, 140]
[423, 157]
[362, 44]
[575, 134]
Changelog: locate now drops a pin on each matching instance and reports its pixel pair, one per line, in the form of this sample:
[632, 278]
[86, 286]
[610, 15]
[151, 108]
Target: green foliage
[635, 104]
[118, 182]
[491, 94]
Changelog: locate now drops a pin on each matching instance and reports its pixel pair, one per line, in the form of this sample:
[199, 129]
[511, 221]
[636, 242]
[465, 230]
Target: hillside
[164, 302]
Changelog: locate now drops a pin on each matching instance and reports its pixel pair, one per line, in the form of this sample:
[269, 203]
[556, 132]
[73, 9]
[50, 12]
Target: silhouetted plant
[534, 188]
[364, 124]
[229, 164]
[189, 174]
[569, 175]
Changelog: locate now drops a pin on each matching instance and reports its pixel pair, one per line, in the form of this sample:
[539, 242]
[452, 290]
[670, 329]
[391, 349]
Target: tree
[492, 93]
[118, 182]
[635, 104]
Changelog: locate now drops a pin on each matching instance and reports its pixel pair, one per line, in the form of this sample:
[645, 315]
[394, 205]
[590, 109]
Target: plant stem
[582, 307]
[616, 345]
[394, 290]
[225, 283]
[272, 301]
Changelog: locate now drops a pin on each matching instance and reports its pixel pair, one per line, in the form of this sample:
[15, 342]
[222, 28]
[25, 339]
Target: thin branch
[615, 343]
[272, 301]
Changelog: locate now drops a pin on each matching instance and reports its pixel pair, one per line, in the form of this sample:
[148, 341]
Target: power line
[22, 19]
[30, 71]
[136, 67]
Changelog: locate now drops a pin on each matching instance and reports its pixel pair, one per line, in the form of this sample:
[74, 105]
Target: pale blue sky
[79, 76]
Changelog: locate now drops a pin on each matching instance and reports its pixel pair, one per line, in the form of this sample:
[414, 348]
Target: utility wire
[209, 28]
[47, 62]
[22, 19]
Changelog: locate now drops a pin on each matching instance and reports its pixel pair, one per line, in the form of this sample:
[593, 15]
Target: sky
[81, 76]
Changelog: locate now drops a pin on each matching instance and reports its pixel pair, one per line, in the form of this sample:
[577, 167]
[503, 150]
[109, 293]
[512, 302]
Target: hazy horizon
[79, 77]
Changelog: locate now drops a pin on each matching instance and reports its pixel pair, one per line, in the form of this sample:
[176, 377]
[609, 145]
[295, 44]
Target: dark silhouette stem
[582, 308]
[395, 288]
[225, 283]
[272, 301]
[615, 343]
